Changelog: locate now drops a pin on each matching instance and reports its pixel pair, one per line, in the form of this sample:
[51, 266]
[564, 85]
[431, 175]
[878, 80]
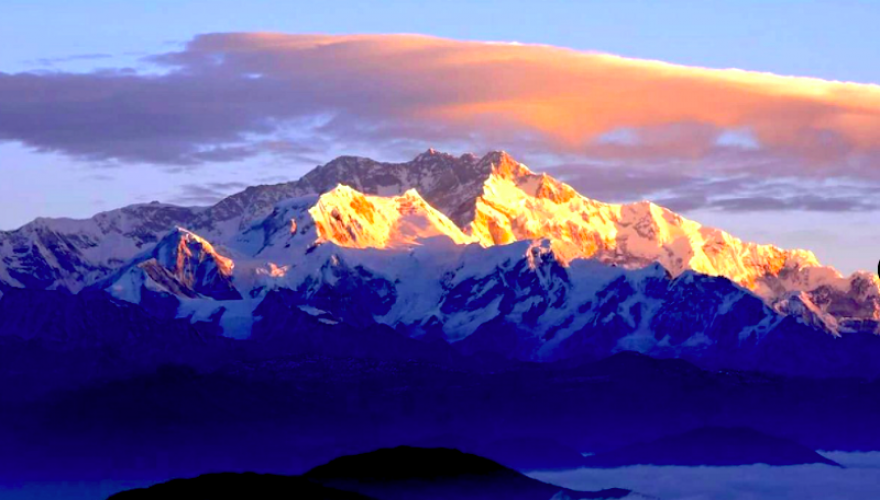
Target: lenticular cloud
[213, 97]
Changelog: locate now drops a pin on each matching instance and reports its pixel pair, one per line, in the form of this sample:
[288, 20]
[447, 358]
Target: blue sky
[826, 40]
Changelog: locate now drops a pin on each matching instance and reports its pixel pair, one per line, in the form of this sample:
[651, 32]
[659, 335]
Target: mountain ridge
[479, 252]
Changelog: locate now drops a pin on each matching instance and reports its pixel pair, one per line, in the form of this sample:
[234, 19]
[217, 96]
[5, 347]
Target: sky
[761, 118]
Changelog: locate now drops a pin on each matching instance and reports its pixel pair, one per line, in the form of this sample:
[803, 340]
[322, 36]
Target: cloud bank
[857, 481]
[228, 97]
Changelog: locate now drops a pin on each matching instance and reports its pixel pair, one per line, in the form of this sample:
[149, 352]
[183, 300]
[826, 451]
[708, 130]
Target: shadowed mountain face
[52, 340]
[718, 446]
[288, 414]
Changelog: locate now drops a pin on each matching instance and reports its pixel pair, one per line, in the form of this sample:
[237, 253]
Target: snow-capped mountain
[450, 184]
[497, 200]
[68, 254]
[480, 252]
[181, 265]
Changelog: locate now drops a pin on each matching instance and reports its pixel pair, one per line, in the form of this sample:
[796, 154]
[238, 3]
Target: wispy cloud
[729, 190]
[207, 193]
[50, 61]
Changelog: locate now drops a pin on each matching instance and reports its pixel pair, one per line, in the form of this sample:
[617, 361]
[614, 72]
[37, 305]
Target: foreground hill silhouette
[387, 474]
[715, 446]
[437, 473]
[239, 485]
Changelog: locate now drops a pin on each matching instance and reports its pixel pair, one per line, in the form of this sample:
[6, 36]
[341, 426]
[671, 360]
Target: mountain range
[477, 252]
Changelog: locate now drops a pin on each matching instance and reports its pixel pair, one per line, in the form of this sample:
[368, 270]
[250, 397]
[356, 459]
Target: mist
[859, 479]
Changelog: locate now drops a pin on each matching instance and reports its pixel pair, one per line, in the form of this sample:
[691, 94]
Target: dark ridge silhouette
[713, 446]
[406, 472]
[250, 416]
[387, 474]
[247, 485]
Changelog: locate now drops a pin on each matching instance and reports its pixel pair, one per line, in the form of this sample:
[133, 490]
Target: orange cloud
[226, 96]
[571, 98]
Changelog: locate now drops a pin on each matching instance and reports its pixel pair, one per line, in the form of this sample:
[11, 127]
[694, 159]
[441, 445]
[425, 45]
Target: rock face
[714, 446]
[481, 253]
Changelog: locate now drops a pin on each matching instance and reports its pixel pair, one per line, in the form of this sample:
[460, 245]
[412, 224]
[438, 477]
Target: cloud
[229, 97]
[814, 203]
[617, 183]
[50, 61]
[755, 482]
[208, 193]
[684, 191]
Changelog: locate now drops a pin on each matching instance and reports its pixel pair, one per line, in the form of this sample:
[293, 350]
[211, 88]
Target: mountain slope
[351, 219]
[517, 205]
[497, 200]
[183, 264]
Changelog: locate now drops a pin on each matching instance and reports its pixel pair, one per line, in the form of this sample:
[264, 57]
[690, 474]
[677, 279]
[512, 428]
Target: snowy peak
[184, 252]
[349, 218]
[503, 165]
[449, 183]
[182, 265]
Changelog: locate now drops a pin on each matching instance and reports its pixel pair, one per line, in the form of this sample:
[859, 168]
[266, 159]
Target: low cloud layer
[230, 97]
[857, 480]
[741, 192]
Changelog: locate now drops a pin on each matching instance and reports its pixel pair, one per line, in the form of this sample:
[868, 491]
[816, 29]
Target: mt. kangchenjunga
[480, 252]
